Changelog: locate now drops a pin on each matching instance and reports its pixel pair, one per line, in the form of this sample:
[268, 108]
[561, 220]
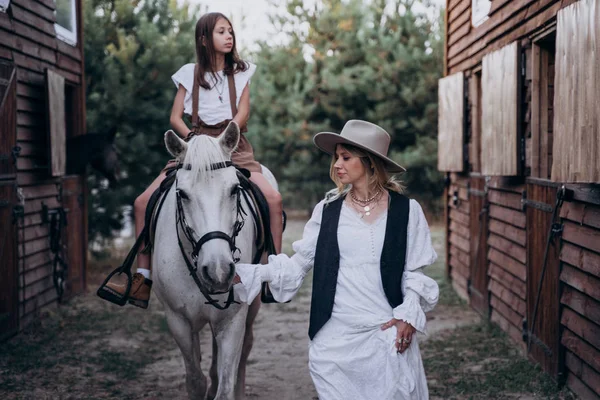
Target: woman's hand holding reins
[404, 333]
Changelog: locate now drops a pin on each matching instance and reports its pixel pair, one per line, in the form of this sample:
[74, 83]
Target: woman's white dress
[351, 357]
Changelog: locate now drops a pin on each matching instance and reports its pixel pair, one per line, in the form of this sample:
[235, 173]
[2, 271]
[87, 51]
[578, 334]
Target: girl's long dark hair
[206, 56]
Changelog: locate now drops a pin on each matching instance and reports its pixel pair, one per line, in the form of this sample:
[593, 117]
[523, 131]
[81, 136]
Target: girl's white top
[351, 357]
[210, 108]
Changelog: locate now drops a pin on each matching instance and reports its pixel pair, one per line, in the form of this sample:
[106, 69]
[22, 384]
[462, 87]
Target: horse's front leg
[189, 344]
[229, 336]
[240, 386]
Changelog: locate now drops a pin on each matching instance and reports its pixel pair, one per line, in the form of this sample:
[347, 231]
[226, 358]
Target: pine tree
[374, 61]
[131, 50]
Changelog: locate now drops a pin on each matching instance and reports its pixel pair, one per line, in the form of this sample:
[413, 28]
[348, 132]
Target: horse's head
[207, 190]
[97, 149]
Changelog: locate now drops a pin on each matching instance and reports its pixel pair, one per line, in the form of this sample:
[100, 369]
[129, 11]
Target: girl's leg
[275, 207]
[139, 210]
[141, 284]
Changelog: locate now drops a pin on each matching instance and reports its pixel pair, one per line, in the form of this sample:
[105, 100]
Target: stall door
[75, 236]
[543, 320]
[478, 285]
[9, 271]
[8, 121]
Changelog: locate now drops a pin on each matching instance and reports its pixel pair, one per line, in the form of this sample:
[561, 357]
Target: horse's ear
[230, 138]
[176, 146]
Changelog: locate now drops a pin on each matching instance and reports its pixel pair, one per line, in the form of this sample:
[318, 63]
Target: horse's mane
[202, 152]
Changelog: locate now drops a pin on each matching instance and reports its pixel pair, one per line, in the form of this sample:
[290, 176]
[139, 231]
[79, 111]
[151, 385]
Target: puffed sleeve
[242, 79]
[285, 274]
[184, 77]
[420, 292]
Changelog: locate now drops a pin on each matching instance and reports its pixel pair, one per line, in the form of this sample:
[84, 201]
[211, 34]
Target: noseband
[191, 235]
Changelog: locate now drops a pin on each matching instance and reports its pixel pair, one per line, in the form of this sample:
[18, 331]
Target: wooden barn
[42, 208]
[519, 140]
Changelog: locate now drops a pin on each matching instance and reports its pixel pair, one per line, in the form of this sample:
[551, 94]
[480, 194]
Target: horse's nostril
[205, 274]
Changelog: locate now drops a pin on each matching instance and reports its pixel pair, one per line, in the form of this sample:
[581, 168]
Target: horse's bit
[190, 235]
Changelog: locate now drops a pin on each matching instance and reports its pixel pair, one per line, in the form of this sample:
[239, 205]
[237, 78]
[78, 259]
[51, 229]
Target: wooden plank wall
[522, 21]
[580, 256]
[507, 256]
[29, 39]
[508, 21]
[459, 234]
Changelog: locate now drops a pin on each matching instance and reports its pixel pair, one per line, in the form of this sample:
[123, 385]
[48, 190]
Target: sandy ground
[92, 349]
[278, 364]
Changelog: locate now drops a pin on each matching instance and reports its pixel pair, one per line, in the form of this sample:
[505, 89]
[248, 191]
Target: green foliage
[131, 50]
[342, 59]
[358, 60]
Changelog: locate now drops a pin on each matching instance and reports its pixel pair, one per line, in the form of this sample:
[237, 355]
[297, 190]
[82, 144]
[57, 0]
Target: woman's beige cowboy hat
[362, 134]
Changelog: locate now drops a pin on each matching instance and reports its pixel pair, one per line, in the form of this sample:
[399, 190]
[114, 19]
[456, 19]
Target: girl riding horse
[214, 91]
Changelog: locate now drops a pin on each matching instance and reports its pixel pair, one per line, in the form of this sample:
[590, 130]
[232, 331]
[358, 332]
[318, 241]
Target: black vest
[327, 259]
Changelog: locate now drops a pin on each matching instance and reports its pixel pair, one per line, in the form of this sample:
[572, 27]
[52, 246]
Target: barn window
[576, 123]
[479, 11]
[66, 21]
[451, 113]
[500, 80]
[542, 104]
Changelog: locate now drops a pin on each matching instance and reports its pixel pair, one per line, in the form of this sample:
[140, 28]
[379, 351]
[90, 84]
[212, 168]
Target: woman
[213, 92]
[368, 244]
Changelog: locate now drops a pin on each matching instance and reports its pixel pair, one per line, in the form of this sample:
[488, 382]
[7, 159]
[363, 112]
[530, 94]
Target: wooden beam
[581, 281]
[581, 235]
[508, 280]
[583, 259]
[509, 232]
[507, 247]
[582, 327]
[506, 199]
[508, 297]
[581, 213]
[507, 263]
[516, 218]
[581, 303]
[583, 350]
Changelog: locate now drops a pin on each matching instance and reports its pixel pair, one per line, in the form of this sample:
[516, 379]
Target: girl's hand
[404, 333]
[236, 279]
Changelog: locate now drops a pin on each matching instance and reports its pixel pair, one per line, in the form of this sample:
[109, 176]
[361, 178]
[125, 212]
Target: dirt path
[90, 349]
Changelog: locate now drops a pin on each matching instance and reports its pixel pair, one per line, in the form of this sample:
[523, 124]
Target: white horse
[206, 195]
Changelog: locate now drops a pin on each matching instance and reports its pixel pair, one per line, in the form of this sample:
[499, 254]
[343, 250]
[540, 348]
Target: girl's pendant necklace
[220, 92]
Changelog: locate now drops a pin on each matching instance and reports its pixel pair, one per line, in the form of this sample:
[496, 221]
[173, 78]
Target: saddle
[259, 208]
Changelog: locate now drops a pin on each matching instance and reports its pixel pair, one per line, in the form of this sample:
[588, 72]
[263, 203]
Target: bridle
[191, 236]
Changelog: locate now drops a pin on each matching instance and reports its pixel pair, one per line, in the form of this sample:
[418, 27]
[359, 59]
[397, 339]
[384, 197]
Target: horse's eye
[183, 195]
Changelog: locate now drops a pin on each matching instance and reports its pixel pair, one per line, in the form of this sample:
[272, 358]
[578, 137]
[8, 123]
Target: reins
[190, 235]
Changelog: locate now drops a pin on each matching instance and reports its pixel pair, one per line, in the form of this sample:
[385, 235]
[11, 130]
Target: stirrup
[111, 295]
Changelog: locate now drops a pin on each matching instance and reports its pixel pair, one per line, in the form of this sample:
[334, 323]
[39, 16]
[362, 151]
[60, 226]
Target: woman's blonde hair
[378, 175]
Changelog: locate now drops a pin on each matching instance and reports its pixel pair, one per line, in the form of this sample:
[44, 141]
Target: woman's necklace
[220, 92]
[364, 207]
